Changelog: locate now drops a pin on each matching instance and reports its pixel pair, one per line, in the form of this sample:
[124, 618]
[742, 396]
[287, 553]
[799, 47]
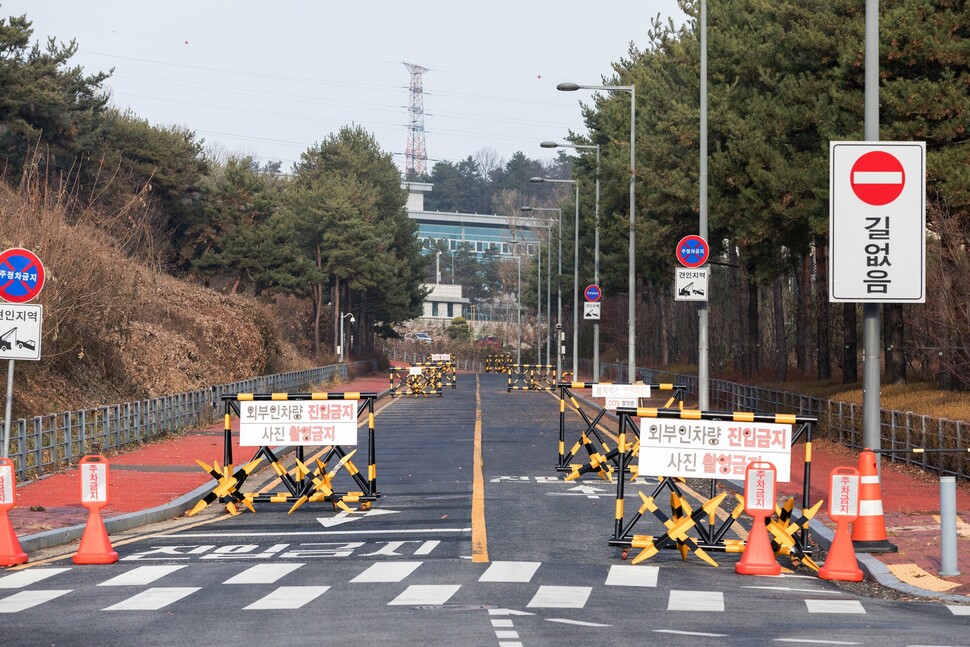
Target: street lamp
[518, 310]
[548, 279]
[571, 87]
[352, 321]
[596, 247]
[575, 272]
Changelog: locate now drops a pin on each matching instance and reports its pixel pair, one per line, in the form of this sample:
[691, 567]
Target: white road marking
[788, 589]
[387, 572]
[695, 601]
[344, 516]
[154, 599]
[501, 622]
[628, 575]
[560, 597]
[288, 597]
[808, 641]
[578, 623]
[507, 635]
[834, 606]
[263, 574]
[322, 533]
[141, 576]
[508, 612]
[417, 594]
[27, 577]
[510, 572]
[688, 633]
[27, 599]
[958, 610]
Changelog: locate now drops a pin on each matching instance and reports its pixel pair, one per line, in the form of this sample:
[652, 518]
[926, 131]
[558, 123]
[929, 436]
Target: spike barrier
[302, 420]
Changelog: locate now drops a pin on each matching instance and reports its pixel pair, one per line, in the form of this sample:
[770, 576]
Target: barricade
[416, 380]
[500, 363]
[448, 365]
[325, 420]
[598, 457]
[532, 377]
[724, 443]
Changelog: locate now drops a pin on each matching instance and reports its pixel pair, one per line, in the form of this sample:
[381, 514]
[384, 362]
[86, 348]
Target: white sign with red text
[94, 482]
[298, 422]
[713, 449]
[877, 222]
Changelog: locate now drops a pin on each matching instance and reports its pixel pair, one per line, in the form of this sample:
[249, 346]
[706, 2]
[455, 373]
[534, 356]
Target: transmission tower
[416, 155]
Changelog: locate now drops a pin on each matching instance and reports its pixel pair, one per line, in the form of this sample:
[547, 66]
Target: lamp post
[518, 310]
[352, 321]
[631, 332]
[596, 246]
[575, 272]
[548, 275]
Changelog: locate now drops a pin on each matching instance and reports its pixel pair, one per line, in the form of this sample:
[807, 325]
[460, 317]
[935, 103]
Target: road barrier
[448, 365]
[500, 363]
[598, 457]
[723, 445]
[532, 377]
[325, 420]
[416, 380]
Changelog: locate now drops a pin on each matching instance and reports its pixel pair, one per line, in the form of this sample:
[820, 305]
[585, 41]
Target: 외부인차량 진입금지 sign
[297, 422]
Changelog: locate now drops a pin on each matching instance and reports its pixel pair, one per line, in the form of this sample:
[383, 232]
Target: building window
[434, 308]
[451, 310]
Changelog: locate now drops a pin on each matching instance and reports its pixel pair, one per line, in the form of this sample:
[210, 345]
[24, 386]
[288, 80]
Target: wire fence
[44, 444]
[839, 422]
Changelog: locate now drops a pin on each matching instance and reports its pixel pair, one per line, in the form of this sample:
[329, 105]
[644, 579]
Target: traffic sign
[690, 284]
[877, 222]
[591, 311]
[877, 178]
[592, 293]
[20, 330]
[21, 275]
[692, 251]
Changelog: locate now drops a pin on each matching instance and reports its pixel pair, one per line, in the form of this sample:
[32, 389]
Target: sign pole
[6, 423]
[870, 311]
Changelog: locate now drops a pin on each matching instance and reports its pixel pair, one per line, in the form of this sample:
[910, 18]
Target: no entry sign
[877, 222]
[877, 178]
[21, 275]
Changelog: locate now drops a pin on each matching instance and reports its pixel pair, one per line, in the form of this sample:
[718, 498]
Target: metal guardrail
[839, 422]
[43, 444]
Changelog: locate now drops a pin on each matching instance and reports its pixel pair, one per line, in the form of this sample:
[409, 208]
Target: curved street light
[549, 272]
[352, 322]
[631, 332]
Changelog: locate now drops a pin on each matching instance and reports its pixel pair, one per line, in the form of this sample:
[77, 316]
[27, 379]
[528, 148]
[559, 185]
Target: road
[507, 555]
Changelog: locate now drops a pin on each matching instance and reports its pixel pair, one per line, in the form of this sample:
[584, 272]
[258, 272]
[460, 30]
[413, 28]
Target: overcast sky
[270, 79]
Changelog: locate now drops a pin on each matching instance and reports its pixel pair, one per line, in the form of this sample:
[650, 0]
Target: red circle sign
[692, 251]
[21, 275]
[592, 293]
[877, 178]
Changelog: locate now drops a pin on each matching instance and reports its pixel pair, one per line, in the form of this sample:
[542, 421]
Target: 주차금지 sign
[298, 422]
[713, 449]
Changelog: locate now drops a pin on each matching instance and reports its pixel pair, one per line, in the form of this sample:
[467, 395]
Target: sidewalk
[161, 480]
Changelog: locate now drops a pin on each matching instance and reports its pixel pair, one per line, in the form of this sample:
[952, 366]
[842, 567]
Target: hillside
[115, 329]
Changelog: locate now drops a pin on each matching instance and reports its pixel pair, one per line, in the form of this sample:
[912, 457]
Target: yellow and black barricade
[498, 363]
[303, 483]
[449, 368]
[416, 380]
[600, 457]
[532, 377]
[789, 532]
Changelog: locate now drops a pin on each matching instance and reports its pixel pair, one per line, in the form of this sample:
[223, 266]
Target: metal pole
[870, 327]
[341, 353]
[549, 294]
[631, 332]
[559, 306]
[948, 526]
[518, 310]
[6, 418]
[596, 272]
[539, 307]
[703, 343]
[576, 289]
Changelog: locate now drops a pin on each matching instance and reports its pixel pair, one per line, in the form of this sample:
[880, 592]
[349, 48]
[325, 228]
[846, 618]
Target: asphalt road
[508, 554]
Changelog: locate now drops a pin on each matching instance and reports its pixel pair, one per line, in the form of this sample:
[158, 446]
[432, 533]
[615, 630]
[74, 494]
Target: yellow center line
[479, 535]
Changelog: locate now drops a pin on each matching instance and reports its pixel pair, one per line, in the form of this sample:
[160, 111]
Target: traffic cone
[841, 564]
[869, 530]
[95, 546]
[11, 553]
[758, 558]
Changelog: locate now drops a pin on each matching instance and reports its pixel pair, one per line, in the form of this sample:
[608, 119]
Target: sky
[271, 79]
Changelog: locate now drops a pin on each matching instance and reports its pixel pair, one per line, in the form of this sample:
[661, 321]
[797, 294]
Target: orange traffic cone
[95, 546]
[758, 558]
[841, 564]
[11, 553]
[869, 530]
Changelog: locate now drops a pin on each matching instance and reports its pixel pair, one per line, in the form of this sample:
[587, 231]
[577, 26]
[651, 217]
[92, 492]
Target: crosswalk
[157, 587]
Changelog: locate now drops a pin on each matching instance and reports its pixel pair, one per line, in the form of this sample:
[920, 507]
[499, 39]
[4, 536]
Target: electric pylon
[416, 154]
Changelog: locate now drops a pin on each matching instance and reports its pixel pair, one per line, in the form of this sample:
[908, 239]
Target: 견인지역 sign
[692, 251]
[21, 275]
[877, 222]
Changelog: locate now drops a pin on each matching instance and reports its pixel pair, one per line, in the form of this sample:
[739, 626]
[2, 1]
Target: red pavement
[157, 473]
